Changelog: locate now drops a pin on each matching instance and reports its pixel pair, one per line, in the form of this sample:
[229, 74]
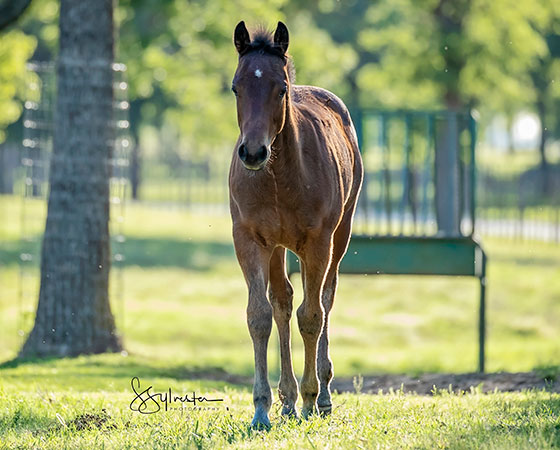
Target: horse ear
[282, 37]
[241, 38]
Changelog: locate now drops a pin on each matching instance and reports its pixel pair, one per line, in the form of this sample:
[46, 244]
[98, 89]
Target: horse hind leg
[310, 318]
[324, 363]
[281, 296]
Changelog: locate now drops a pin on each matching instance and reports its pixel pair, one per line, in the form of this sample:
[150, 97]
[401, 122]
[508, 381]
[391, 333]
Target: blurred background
[177, 293]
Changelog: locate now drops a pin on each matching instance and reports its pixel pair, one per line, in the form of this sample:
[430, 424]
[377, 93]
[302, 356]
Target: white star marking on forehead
[258, 73]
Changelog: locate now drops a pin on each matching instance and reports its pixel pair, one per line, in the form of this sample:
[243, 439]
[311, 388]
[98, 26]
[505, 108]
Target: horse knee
[310, 321]
[259, 321]
[281, 301]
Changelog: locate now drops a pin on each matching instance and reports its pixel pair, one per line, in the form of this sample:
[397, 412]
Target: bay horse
[294, 180]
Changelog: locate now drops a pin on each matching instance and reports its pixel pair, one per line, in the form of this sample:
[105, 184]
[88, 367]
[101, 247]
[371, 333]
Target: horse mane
[262, 41]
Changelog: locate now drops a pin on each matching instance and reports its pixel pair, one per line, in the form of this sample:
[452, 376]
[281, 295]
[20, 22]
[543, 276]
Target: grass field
[40, 415]
[182, 316]
[184, 300]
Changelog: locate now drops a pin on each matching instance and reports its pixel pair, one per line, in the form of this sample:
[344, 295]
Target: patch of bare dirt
[428, 384]
[93, 420]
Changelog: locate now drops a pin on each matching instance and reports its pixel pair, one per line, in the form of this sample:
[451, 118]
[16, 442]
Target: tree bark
[9, 161]
[135, 154]
[541, 107]
[509, 132]
[3, 172]
[449, 15]
[135, 170]
[544, 166]
[73, 314]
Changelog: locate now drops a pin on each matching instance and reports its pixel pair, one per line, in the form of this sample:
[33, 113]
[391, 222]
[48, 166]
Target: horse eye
[283, 92]
[234, 90]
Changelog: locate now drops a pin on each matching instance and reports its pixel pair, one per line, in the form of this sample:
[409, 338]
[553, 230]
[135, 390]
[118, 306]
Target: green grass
[183, 319]
[184, 299]
[51, 417]
[512, 164]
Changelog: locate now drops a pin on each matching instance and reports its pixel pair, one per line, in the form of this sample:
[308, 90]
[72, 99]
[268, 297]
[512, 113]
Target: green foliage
[15, 49]
[453, 54]
[320, 61]
[492, 55]
[181, 61]
[41, 21]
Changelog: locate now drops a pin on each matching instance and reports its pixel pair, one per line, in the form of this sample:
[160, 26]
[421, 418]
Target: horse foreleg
[254, 261]
[281, 296]
[310, 319]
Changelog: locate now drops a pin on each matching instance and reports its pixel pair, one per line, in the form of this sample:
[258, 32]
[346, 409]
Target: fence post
[446, 171]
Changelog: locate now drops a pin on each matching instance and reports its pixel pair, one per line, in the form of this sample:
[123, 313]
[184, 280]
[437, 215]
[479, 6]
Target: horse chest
[278, 220]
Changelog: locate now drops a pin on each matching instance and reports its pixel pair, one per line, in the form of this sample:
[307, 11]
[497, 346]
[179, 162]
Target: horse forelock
[263, 42]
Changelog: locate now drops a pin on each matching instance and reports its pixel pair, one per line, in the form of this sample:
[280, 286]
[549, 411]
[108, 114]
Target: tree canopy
[15, 50]
[496, 55]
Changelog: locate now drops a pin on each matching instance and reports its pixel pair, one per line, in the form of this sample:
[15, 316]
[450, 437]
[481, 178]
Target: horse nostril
[261, 154]
[243, 153]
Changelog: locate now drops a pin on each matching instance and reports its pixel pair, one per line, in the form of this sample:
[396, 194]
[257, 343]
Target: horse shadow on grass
[164, 252]
[119, 368]
[157, 252]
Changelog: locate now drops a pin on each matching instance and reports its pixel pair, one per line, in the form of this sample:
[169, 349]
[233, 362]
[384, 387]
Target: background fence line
[520, 206]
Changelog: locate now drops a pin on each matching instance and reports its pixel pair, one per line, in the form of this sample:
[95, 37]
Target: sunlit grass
[50, 417]
[512, 163]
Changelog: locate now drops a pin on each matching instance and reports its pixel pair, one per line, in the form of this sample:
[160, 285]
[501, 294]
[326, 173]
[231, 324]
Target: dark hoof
[306, 413]
[289, 412]
[260, 421]
[325, 410]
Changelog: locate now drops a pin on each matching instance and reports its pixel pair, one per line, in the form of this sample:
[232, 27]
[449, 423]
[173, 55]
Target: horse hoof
[325, 410]
[260, 421]
[306, 413]
[289, 412]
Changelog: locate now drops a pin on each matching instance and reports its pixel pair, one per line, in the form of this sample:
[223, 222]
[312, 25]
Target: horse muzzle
[253, 160]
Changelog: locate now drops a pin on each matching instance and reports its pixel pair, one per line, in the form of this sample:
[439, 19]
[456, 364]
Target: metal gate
[416, 212]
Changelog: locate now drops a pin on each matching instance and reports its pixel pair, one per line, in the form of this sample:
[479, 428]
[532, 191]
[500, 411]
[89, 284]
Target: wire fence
[520, 207]
[31, 183]
[515, 207]
[524, 206]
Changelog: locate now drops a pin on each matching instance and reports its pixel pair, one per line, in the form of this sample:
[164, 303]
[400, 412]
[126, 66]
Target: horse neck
[288, 156]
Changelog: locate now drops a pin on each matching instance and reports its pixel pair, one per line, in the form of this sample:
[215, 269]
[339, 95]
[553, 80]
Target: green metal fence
[416, 214]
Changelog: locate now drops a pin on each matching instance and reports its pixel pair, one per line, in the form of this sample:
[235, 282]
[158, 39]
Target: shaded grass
[109, 372]
[185, 298]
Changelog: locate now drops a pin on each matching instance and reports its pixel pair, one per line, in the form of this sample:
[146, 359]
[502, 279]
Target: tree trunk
[135, 170]
[509, 133]
[541, 108]
[8, 163]
[73, 315]
[135, 155]
[3, 171]
[449, 15]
